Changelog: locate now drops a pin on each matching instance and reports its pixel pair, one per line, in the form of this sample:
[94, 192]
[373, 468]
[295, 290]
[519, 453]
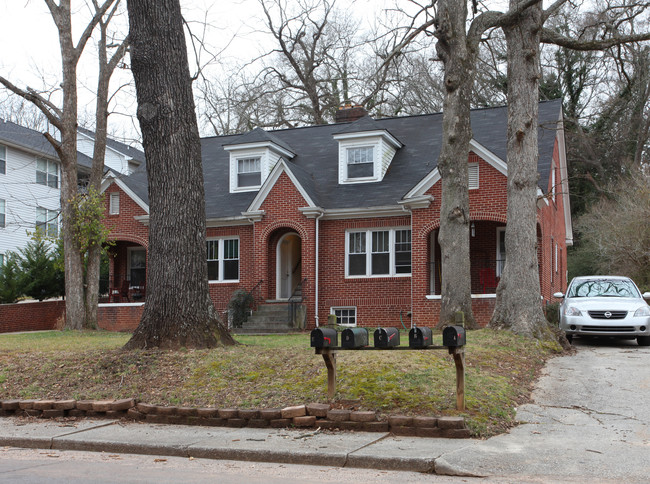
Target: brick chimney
[349, 111]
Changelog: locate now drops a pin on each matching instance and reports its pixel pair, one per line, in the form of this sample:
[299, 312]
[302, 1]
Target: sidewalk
[371, 450]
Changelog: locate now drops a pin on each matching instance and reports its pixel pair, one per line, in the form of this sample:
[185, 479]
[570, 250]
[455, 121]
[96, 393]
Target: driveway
[589, 422]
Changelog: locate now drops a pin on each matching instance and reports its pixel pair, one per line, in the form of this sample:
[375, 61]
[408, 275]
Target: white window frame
[333, 310]
[373, 143]
[500, 265]
[50, 176]
[556, 262]
[368, 252]
[3, 213]
[473, 178]
[367, 149]
[220, 254]
[51, 221]
[553, 181]
[114, 204]
[3, 160]
[254, 160]
[247, 154]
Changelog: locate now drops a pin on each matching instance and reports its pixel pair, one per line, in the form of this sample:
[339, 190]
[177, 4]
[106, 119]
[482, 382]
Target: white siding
[22, 195]
[112, 159]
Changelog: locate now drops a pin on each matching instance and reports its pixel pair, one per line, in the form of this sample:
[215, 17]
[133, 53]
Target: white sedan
[605, 306]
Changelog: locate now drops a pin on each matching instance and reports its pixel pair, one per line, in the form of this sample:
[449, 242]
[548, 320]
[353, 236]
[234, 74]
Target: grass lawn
[276, 371]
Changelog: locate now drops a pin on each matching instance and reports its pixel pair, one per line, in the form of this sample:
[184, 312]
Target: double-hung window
[385, 252]
[114, 204]
[360, 162]
[3, 213]
[47, 173]
[3, 160]
[47, 221]
[223, 260]
[249, 172]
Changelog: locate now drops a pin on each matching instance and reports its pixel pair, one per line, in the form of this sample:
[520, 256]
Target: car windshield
[603, 288]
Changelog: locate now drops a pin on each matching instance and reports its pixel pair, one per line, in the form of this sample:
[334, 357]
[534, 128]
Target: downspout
[408, 209]
[316, 270]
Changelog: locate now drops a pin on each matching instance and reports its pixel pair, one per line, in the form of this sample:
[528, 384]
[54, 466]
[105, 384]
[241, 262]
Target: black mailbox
[386, 337]
[324, 338]
[420, 337]
[453, 336]
[354, 337]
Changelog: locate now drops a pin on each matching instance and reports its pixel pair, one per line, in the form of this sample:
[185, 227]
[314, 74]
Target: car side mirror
[646, 295]
[560, 295]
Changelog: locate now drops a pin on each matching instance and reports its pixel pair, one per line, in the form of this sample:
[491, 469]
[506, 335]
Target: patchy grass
[277, 371]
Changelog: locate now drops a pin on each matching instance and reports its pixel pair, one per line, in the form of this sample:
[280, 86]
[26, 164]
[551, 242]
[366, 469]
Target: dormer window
[361, 162]
[249, 172]
[252, 158]
[365, 151]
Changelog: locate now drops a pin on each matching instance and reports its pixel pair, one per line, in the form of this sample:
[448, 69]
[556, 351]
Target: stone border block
[271, 413]
[296, 411]
[337, 415]
[360, 416]
[306, 421]
[451, 422]
[318, 409]
[228, 413]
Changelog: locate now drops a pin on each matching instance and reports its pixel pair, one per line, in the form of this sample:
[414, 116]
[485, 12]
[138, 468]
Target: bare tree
[64, 119]
[179, 311]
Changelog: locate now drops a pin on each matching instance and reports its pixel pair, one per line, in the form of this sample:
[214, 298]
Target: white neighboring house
[30, 180]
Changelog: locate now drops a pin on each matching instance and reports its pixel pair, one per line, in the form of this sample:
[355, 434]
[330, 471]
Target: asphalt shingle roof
[316, 162]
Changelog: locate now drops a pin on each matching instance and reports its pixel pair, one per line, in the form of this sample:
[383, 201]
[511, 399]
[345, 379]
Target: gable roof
[315, 165]
[34, 142]
[122, 148]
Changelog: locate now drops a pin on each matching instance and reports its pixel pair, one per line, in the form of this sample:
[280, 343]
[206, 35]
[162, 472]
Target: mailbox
[420, 337]
[453, 336]
[386, 337]
[324, 338]
[354, 337]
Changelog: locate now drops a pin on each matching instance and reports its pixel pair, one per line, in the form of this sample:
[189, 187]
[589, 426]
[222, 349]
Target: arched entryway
[288, 265]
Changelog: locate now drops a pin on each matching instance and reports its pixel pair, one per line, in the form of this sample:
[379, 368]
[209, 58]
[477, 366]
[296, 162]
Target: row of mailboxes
[354, 338]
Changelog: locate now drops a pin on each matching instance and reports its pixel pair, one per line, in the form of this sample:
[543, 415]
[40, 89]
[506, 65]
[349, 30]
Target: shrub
[239, 307]
[10, 280]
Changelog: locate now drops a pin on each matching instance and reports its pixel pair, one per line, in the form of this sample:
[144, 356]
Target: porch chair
[487, 279]
[124, 290]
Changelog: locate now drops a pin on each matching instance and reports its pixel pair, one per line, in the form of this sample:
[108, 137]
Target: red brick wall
[31, 316]
[119, 317]
[379, 301]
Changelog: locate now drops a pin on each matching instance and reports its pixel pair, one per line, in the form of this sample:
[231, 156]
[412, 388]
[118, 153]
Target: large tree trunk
[67, 150]
[518, 305]
[178, 310]
[453, 237]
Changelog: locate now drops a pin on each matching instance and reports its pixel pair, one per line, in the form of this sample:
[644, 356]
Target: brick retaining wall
[31, 316]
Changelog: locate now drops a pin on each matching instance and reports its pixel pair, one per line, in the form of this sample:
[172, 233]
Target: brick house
[343, 218]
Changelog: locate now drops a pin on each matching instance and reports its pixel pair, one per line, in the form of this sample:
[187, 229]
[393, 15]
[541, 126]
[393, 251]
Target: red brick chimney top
[350, 111]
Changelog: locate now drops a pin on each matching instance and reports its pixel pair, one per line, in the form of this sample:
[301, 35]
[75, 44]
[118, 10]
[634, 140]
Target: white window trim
[391, 241]
[114, 204]
[3, 211]
[333, 310]
[470, 167]
[3, 157]
[47, 173]
[553, 181]
[499, 267]
[235, 156]
[556, 252]
[51, 216]
[344, 145]
[220, 249]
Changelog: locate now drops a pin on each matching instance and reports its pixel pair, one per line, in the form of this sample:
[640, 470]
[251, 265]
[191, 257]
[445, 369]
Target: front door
[289, 265]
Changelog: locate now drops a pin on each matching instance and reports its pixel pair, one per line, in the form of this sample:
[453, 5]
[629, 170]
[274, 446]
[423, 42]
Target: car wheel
[643, 340]
[569, 338]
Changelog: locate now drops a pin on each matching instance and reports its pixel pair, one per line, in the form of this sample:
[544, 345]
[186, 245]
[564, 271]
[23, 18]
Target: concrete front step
[263, 330]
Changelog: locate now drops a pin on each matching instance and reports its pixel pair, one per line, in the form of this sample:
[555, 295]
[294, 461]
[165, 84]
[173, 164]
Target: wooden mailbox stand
[329, 355]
